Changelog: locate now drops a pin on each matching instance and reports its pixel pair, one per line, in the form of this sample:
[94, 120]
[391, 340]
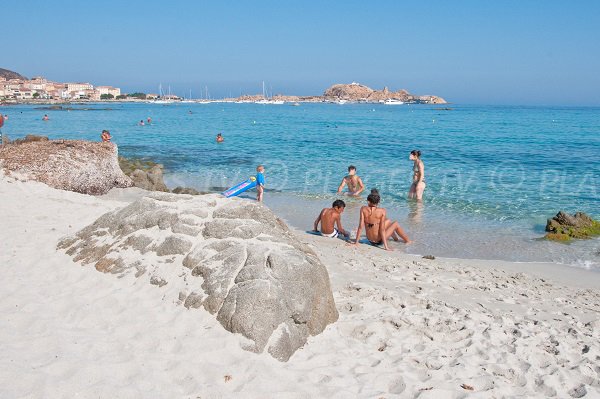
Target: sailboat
[265, 100]
[162, 100]
[189, 100]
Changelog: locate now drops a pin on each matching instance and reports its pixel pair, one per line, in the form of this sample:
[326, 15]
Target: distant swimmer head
[374, 198]
[414, 155]
[339, 205]
[351, 169]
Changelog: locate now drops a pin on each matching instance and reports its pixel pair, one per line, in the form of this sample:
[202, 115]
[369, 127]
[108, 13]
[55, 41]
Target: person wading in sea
[354, 183]
[418, 185]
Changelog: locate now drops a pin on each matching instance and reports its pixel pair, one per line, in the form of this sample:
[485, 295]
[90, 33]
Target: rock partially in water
[145, 174]
[128, 165]
[151, 180]
[74, 165]
[232, 257]
[564, 227]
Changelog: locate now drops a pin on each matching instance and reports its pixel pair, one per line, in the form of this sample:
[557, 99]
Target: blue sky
[501, 52]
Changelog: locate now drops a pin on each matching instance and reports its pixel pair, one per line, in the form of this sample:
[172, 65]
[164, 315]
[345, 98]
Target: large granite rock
[82, 166]
[232, 257]
[563, 226]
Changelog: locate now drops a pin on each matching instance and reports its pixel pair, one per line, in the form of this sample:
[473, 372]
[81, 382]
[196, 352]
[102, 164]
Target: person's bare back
[331, 220]
[376, 224]
[373, 218]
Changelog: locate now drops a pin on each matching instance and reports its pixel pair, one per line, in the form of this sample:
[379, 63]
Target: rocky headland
[8, 74]
[361, 93]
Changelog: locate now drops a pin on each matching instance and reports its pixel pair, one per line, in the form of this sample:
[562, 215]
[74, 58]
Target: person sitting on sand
[220, 138]
[418, 185]
[105, 136]
[141, 123]
[330, 218]
[45, 118]
[378, 227]
[355, 184]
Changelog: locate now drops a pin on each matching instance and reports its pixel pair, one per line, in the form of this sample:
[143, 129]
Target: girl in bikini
[418, 185]
[378, 227]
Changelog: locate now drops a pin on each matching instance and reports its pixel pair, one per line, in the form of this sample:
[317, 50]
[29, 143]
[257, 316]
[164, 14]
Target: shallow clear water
[494, 174]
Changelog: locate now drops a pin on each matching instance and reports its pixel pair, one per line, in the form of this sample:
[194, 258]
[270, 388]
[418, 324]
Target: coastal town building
[108, 90]
[39, 87]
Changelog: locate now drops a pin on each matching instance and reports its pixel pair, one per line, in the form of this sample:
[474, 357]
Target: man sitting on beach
[330, 218]
[355, 184]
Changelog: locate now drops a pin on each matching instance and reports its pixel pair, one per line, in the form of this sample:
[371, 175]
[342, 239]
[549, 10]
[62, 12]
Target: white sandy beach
[408, 327]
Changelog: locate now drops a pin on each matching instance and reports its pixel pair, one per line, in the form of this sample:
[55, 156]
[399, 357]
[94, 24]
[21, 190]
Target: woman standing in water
[418, 185]
[377, 226]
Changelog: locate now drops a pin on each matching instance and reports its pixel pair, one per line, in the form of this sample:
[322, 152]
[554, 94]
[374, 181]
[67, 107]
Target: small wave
[587, 264]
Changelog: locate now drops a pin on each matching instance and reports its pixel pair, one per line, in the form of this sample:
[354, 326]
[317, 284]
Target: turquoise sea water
[494, 174]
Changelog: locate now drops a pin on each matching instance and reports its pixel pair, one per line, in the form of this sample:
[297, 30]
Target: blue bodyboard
[240, 188]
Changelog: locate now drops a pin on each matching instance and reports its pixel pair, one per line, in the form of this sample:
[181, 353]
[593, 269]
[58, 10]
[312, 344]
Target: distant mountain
[5, 73]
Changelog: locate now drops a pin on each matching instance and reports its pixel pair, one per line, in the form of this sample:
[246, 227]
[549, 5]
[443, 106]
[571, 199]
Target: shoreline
[560, 273]
[299, 212]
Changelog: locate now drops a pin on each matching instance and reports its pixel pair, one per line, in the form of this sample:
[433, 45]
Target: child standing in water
[260, 182]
